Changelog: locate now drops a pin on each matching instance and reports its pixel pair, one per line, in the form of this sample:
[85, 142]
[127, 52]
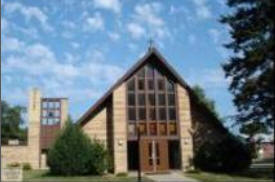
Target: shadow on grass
[265, 173]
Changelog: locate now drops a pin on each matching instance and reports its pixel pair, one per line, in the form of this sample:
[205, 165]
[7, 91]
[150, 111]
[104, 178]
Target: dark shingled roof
[151, 52]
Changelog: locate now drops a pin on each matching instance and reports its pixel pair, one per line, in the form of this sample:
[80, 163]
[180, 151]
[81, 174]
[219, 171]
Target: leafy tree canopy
[209, 103]
[251, 68]
[11, 118]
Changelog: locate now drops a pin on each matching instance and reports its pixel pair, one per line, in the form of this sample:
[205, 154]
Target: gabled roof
[151, 52]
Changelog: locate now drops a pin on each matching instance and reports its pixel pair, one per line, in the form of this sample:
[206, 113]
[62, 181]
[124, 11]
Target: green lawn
[213, 177]
[43, 176]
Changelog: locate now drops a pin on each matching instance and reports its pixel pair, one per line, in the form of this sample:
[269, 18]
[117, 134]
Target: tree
[209, 103]
[251, 68]
[229, 154]
[11, 118]
[73, 153]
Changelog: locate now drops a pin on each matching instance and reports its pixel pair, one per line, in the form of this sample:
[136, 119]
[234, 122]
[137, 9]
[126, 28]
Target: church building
[150, 98]
[153, 99]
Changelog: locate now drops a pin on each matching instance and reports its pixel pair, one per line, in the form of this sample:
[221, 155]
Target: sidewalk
[171, 177]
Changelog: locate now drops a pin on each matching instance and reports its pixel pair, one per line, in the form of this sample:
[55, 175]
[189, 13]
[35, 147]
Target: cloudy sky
[77, 49]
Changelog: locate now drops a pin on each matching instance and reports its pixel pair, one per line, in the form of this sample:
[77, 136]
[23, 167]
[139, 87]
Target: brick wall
[29, 153]
[120, 132]
[186, 140]
[96, 127]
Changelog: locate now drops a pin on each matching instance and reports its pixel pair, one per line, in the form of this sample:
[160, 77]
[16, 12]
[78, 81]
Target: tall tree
[251, 68]
[209, 103]
[11, 118]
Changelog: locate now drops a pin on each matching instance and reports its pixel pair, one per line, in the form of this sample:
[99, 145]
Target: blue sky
[77, 49]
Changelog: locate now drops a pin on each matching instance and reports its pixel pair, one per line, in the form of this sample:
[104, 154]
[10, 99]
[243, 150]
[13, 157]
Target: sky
[78, 49]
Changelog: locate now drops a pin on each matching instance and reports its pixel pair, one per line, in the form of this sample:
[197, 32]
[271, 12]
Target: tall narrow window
[150, 71]
[142, 114]
[152, 114]
[170, 86]
[172, 114]
[141, 84]
[151, 99]
[161, 85]
[141, 99]
[141, 73]
[132, 114]
[131, 129]
[173, 128]
[153, 128]
[171, 99]
[150, 84]
[162, 114]
[131, 85]
[131, 99]
[161, 99]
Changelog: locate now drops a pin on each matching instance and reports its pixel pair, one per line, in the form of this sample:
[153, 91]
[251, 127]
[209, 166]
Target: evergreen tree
[251, 68]
[73, 153]
[209, 103]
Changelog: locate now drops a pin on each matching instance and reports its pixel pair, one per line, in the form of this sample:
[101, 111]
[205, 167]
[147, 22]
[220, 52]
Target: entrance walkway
[170, 177]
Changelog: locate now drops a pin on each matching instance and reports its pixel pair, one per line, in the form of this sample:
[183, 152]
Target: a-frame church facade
[153, 99]
[150, 98]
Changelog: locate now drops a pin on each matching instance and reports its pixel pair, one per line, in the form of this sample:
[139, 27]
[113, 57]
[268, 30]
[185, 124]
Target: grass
[44, 176]
[214, 177]
[264, 161]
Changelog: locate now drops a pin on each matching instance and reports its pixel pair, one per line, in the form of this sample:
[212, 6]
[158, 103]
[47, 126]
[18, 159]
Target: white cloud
[94, 23]
[215, 34]
[29, 12]
[11, 44]
[149, 13]
[113, 5]
[114, 36]
[192, 39]
[174, 10]
[75, 45]
[4, 25]
[211, 78]
[147, 17]
[132, 46]
[202, 9]
[38, 66]
[135, 30]
[67, 34]
[218, 37]
[68, 24]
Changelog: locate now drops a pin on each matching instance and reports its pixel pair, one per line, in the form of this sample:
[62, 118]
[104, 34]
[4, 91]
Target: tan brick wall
[186, 140]
[96, 127]
[12, 154]
[34, 127]
[120, 132]
[29, 153]
[64, 111]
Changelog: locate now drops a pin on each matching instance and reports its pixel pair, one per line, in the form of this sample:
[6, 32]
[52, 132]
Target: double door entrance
[154, 155]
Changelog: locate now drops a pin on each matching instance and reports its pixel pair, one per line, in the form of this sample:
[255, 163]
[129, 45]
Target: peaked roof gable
[151, 52]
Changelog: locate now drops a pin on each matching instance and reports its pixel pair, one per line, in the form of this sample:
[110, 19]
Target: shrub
[73, 153]
[13, 165]
[110, 163]
[122, 174]
[99, 158]
[27, 166]
[193, 171]
[228, 155]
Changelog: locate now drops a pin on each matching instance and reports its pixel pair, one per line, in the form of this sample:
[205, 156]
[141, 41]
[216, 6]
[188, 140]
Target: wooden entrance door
[154, 155]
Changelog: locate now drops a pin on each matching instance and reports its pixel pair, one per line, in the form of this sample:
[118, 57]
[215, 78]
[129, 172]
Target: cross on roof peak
[151, 43]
